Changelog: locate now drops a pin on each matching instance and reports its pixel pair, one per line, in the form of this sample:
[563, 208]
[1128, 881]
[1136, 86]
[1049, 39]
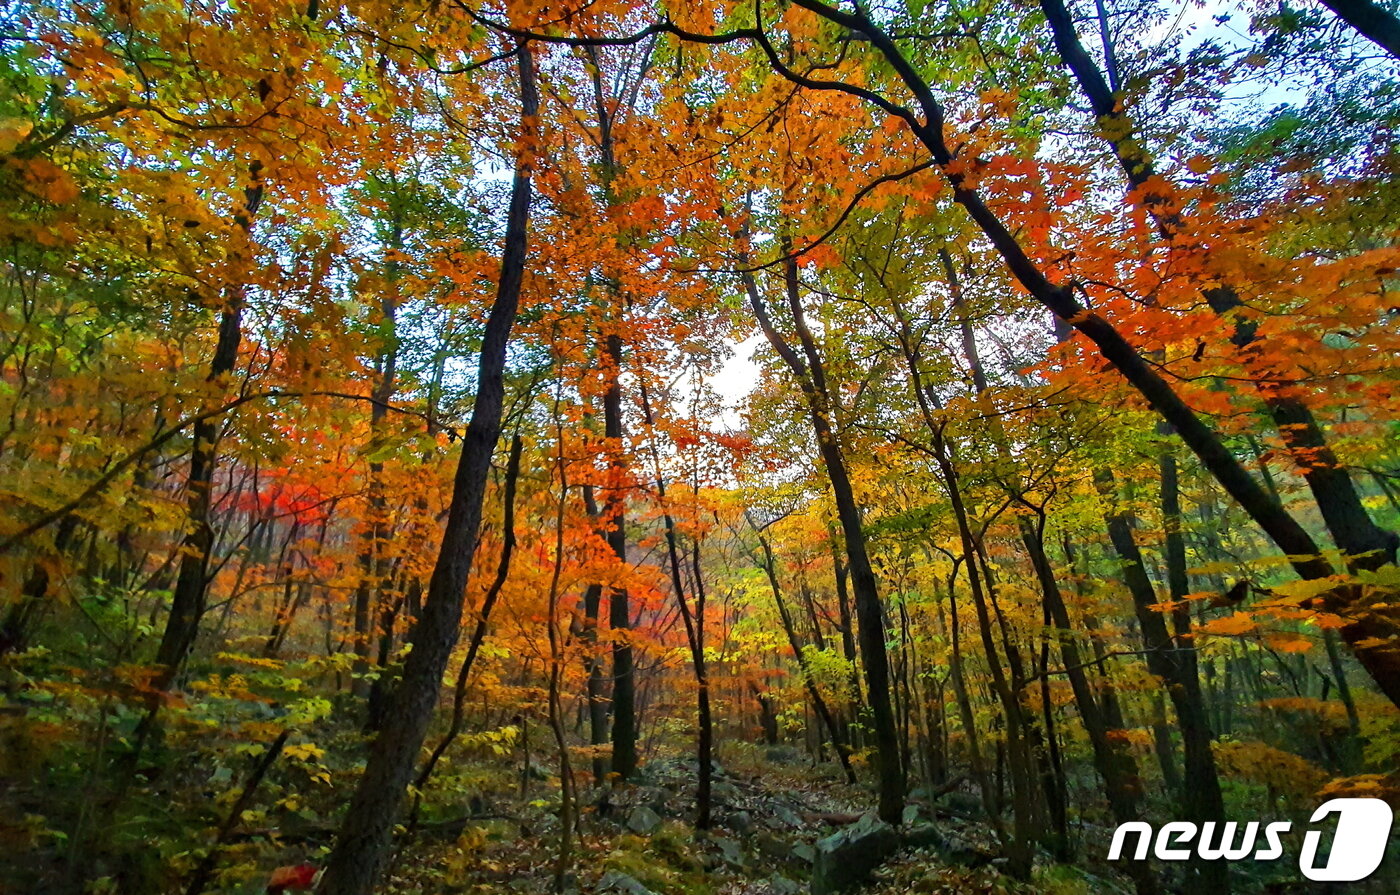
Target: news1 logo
[1358, 842]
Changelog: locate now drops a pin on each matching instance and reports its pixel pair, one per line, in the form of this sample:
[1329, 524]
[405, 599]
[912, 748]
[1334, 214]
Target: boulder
[739, 821]
[922, 836]
[654, 797]
[844, 860]
[773, 846]
[963, 803]
[613, 881]
[643, 821]
[730, 851]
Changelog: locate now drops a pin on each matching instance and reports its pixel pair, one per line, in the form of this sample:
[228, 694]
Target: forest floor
[769, 813]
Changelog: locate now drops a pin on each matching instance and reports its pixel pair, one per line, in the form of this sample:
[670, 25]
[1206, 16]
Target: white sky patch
[735, 381]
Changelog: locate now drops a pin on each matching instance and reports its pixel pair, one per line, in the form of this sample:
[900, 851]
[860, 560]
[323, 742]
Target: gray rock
[654, 797]
[723, 789]
[739, 822]
[731, 852]
[956, 850]
[643, 820]
[786, 817]
[911, 815]
[613, 881]
[782, 885]
[804, 851]
[922, 836]
[962, 803]
[844, 859]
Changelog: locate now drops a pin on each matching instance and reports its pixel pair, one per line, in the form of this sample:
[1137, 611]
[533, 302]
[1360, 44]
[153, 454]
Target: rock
[739, 822]
[613, 881]
[654, 797]
[956, 850]
[787, 817]
[643, 820]
[962, 803]
[782, 885]
[773, 846]
[731, 852]
[803, 851]
[911, 815]
[724, 790]
[844, 860]
[922, 836]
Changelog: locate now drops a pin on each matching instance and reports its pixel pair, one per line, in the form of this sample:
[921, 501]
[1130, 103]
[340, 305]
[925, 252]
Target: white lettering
[1358, 844]
[1227, 849]
[1183, 831]
[1120, 835]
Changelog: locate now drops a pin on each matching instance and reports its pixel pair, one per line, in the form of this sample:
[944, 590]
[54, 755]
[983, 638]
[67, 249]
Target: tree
[363, 844]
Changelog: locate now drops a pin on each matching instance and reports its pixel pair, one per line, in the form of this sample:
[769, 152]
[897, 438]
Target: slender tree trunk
[188, 601]
[838, 743]
[357, 861]
[624, 684]
[493, 593]
[1203, 801]
[694, 631]
[373, 564]
[598, 704]
[811, 377]
[976, 761]
[843, 603]
[1115, 764]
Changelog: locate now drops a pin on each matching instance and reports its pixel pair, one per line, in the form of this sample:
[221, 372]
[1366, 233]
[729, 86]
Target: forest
[699, 447]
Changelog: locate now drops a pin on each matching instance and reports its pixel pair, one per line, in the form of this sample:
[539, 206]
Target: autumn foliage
[413, 409]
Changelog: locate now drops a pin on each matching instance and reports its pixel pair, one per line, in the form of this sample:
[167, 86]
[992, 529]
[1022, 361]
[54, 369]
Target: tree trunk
[361, 850]
[1176, 667]
[811, 377]
[188, 603]
[838, 743]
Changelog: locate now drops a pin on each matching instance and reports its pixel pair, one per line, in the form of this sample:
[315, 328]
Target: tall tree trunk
[373, 564]
[811, 378]
[694, 629]
[593, 662]
[362, 847]
[624, 684]
[188, 602]
[1176, 667]
[493, 593]
[1115, 764]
